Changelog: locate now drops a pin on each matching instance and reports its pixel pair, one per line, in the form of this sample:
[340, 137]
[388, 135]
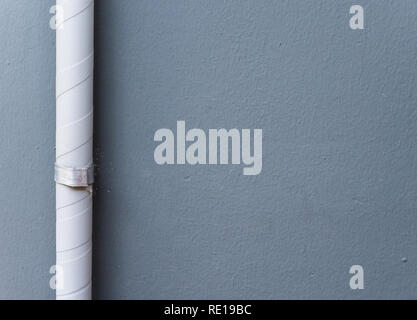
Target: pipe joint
[74, 177]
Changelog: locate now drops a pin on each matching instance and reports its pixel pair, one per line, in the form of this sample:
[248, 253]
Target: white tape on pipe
[74, 143]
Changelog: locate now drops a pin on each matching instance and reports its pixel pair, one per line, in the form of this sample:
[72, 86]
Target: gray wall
[338, 186]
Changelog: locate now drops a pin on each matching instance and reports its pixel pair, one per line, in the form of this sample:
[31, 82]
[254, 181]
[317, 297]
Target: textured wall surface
[27, 140]
[338, 113]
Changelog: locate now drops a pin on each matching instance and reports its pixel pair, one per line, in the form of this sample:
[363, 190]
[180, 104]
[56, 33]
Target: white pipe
[74, 147]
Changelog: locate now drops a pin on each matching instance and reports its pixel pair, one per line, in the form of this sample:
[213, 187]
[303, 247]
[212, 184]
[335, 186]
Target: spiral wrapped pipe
[74, 148]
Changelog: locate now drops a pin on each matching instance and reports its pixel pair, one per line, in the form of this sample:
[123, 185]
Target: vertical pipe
[74, 144]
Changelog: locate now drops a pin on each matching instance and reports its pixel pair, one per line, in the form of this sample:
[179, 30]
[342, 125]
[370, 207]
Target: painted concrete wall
[338, 186]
